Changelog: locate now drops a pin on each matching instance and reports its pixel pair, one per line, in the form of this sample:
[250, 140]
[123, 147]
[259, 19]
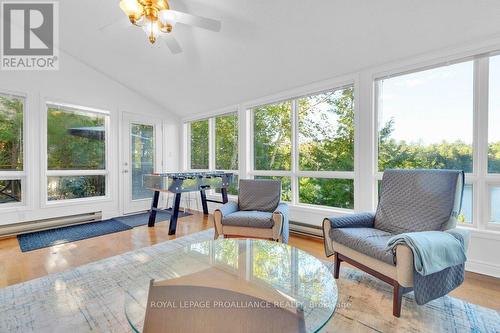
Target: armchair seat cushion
[255, 219]
[369, 241]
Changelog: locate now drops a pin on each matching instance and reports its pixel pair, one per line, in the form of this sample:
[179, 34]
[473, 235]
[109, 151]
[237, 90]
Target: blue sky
[437, 104]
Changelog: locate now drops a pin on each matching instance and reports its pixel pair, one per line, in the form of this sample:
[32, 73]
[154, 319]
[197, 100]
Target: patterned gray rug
[90, 298]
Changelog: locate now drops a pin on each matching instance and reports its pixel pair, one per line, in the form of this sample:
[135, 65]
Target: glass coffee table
[262, 285]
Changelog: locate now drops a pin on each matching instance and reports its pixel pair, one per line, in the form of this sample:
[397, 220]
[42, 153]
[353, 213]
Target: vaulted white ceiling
[266, 46]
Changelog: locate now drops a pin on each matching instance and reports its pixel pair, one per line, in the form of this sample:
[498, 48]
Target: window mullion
[480, 159]
[211, 143]
[295, 152]
[187, 144]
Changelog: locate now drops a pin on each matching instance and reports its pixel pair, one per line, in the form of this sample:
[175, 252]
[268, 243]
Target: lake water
[495, 204]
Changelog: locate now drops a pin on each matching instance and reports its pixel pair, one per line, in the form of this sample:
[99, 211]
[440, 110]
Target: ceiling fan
[157, 20]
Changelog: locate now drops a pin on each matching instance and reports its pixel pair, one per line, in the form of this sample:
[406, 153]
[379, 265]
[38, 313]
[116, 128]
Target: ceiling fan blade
[172, 44]
[197, 21]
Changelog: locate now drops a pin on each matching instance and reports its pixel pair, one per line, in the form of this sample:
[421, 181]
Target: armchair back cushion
[259, 194]
[419, 200]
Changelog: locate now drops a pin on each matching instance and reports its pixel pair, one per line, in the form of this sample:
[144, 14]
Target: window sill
[490, 234]
[73, 202]
[10, 208]
[300, 206]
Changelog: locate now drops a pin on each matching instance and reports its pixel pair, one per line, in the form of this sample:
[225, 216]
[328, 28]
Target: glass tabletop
[289, 279]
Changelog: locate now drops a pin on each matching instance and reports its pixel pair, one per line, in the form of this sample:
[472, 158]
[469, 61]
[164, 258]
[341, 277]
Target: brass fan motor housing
[151, 9]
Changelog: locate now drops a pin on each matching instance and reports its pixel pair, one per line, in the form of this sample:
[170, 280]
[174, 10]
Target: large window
[326, 131]
[426, 120]
[318, 168]
[199, 145]
[214, 145]
[493, 178]
[226, 142]
[11, 149]
[437, 117]
[76, 153]
[494, 117]
[273, 136]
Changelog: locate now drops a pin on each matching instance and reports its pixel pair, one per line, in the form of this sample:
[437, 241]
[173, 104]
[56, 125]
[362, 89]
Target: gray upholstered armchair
[410, 201]
[257, 214]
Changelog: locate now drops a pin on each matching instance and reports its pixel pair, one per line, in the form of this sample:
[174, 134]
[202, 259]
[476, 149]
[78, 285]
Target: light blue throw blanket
[439, 261]
[433, 251]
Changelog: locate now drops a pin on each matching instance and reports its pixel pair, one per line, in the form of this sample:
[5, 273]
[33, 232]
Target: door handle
[125, 171]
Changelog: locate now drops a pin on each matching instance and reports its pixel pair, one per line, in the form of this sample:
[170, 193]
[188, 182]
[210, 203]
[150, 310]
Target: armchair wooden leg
[397, 299]
[336, 270]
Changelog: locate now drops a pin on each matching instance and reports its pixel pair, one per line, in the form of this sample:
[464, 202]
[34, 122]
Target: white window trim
[211, 143]
[212, 148]
[45, 173]
[188, 146]
[21, 175]
[295, 173]
[480, 179]
[488, 207]
[366, 129]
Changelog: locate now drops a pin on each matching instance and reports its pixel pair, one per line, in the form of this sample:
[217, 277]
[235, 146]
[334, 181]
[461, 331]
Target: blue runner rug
[45, 238]
[142, 218]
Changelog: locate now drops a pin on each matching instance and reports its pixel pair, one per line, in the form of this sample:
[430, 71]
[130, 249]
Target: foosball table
[178, 183]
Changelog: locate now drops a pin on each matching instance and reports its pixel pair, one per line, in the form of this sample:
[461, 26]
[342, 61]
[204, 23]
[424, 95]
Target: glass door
[142, 155]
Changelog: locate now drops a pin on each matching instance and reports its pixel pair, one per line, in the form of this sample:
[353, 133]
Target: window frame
[23, 174]
[295, 173]
[45, 172]
[213, 140]
[189, 150]
[488, 205]
[211, 146]
[489, 180]
[479, 178]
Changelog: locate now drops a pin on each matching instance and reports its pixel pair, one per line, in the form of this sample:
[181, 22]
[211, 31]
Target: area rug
[90, 298]
[45, 238]
[136, 220]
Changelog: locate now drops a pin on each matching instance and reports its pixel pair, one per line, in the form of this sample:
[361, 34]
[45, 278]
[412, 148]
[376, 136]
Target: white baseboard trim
[482, 267]
[14, 229]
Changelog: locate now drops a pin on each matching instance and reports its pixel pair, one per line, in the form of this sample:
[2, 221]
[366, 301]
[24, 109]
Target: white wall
[78, 84]
[485, 241]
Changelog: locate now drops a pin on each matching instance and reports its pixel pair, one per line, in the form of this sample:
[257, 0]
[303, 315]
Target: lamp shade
[151, 29]
[131, 8]
[167, 17]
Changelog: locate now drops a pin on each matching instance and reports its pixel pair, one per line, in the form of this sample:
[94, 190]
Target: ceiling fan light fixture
[133, 9]
[140, 22]
[157, 19]
[167, 17]
[152, 29]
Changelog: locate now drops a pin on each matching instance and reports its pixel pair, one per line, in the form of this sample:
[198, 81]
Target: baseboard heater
[306, 229]
[38, 225]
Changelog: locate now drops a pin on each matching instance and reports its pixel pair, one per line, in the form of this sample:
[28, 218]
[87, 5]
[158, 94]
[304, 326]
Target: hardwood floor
[16, 267]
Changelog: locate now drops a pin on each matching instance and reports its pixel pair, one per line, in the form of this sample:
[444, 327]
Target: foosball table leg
[204, 201]
[175, 214]
[223, 191]
[154, 206]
